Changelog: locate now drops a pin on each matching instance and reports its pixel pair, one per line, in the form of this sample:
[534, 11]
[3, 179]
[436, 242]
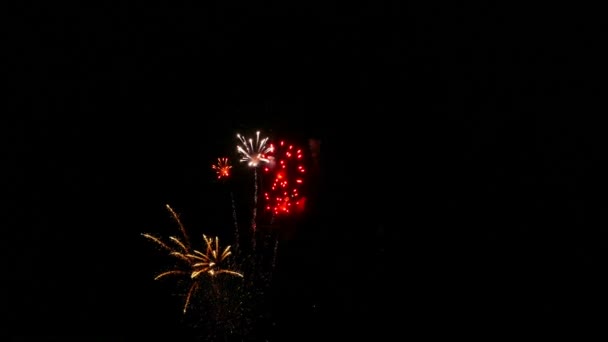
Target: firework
[222, 168]
[194, 264]
[286, 172]
[253, 153]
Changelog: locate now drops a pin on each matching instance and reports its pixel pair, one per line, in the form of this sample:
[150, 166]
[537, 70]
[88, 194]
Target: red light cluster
[285, 173]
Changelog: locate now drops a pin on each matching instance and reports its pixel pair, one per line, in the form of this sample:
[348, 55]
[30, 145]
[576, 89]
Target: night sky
[461, 183]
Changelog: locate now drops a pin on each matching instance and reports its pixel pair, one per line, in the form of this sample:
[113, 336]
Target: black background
[461, 183]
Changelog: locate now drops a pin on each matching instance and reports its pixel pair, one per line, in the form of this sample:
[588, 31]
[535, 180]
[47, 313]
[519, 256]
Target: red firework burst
[222, 168]
[285, 172]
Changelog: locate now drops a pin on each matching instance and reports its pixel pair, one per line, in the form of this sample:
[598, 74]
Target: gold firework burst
[210, 262]
[194, 264]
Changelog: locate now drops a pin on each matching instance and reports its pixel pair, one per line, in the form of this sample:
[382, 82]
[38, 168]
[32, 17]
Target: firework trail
[236, 224]
[274, 252]
[274, 255]
[181, 228]
[255, 207]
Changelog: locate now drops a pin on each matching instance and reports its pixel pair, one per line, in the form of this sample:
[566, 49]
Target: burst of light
[286, 172]
[254, 153]
[193, 263]
[212, 260]
[222, 168]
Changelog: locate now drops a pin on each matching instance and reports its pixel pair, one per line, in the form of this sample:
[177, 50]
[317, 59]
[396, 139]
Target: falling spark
[222, 168]
[255, 206]
[274, 254]
[236, 223]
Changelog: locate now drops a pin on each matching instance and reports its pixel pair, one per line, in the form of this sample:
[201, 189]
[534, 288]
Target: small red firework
[286, 174]
[222, 168]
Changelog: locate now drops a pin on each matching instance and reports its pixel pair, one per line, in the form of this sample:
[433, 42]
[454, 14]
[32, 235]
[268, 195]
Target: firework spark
[286, 172]
[253, 153]
[211, 261]
[222, 168]
[193, 263]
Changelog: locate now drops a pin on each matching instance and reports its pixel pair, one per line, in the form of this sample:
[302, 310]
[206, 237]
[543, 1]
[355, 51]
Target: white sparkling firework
[253, 153]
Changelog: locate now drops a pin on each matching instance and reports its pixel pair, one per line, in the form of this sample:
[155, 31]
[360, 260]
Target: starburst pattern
[222, 168]
[254, 153]
[212, 260]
